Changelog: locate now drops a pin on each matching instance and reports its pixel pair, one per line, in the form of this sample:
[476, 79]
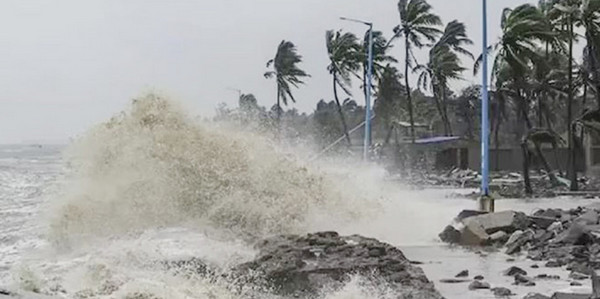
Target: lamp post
[367, 140]
[486, 202]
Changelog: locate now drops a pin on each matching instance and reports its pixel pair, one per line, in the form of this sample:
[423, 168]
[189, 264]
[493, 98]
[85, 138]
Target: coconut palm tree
[286, 72]
[388, 100]
[418, 24]
[444, 65]
[344, 53]
[381, 58]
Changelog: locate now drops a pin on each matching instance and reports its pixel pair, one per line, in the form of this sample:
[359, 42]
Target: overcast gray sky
[66, 65]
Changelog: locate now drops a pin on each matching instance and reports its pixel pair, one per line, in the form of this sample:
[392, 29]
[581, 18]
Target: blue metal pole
[367, 143]
[485, 136]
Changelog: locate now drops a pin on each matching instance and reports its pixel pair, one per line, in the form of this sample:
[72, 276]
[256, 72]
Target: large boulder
[300, 266]
[507, 221]
[473, 234]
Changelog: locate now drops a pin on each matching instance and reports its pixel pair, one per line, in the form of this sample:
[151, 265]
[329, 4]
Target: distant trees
[539, 92]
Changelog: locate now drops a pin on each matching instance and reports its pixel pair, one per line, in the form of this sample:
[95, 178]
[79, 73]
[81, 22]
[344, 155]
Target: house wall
[511, 159]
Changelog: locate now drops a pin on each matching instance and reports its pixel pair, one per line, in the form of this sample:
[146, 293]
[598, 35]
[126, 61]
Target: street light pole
[484, 110]
[486, 202]
[367, 140]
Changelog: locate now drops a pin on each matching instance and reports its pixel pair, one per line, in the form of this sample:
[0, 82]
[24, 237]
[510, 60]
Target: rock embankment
[553, 237]
[300, 266]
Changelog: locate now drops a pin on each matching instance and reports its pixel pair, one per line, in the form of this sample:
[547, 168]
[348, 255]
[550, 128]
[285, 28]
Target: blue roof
[438, 139]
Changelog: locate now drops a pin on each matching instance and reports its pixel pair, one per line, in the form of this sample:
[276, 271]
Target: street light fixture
[367, 140]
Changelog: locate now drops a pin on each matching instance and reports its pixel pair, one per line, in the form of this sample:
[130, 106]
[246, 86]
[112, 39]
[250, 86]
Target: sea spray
[153, 166]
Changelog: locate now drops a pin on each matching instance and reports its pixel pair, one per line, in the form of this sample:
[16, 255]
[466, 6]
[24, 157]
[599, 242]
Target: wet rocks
[479, 285]
[521, 279]
[450, 235]
[512, 271]
[453, 280]
[502, 292]
[555, 237]
[294, 265]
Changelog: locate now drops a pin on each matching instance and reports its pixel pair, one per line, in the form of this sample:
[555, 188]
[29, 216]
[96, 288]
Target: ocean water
[96, 218]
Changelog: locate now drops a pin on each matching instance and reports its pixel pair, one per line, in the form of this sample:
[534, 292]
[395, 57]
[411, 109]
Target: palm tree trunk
[438, 105]
[341, 112]
[497, 145]
[554, 146]
[540, 112]
[538, 149]
[278, 105]
[408, 93]
[445, 108]
[526, 179]
[573, 168]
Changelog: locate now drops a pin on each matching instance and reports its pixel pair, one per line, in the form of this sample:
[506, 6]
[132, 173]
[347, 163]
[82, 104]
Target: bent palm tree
[444, 65]
[344, 51]
[417, 23]
[286, 72]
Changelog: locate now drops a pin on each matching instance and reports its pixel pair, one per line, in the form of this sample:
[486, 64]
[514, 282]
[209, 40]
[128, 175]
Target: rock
[5, 292]
[463, 273]
[479, 285]
[521, 279]
[535, 266]
[514, 237]
[576, 234]
[549, 213]
[575, 284]
[450, 235]
[508, 221]
[578, 276]
[535, 296]
[478, 277]
[546, 276]
[521, 239]
[453, 280]
[514, 270]
[588, 218]
[300, 266]
[555, 227]
[499, 237]
[464, 214]
[473, 233]
[542, 222]
[502, 292]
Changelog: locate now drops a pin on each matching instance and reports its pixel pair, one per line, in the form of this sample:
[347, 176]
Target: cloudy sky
[66, 65]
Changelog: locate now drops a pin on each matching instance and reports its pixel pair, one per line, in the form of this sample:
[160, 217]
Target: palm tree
[345, 60]
[444, 65]
[523, 29]
[417, 23]
[388, 99]
[381, 58]
[590, 20]
[286, 72]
